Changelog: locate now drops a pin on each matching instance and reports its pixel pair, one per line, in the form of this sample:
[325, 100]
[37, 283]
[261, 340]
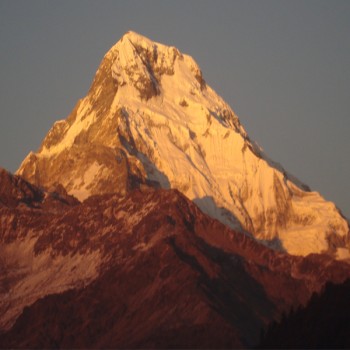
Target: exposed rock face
[147, 269]
[17, 192]
[14, 191]
[150, 118]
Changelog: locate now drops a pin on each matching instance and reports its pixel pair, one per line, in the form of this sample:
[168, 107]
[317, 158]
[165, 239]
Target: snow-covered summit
[141, 64]
[150, 118]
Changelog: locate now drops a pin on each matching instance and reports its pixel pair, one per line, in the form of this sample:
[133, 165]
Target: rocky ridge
[144, 269]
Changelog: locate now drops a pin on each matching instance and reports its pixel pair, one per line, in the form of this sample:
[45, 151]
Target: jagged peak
[139, 62]
[138, 39]
[132, 41]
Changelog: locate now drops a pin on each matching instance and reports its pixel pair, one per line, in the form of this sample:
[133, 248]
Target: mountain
[150, 118]
[323, 324]
[147, 269]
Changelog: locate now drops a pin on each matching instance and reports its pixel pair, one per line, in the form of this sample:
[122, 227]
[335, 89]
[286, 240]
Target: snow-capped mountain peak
[150, 118]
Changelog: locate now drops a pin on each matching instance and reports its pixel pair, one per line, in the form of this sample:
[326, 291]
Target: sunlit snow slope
[150, 118]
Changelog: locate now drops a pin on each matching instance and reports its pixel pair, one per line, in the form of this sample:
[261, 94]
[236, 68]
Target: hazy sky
[283, 66]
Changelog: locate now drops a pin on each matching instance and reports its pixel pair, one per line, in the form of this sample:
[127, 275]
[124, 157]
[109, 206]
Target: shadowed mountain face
[147, 269]
[17, 192]
[323, 324]
[150, 118]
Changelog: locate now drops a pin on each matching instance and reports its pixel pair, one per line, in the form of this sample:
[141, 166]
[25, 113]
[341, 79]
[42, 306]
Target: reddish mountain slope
[145, 270]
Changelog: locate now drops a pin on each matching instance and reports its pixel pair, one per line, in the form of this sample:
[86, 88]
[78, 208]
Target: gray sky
[283, 66]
